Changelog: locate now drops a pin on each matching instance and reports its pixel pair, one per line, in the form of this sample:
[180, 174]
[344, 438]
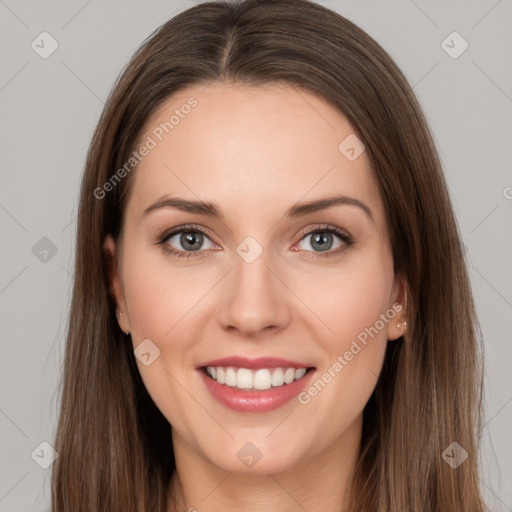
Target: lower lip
[255, 401]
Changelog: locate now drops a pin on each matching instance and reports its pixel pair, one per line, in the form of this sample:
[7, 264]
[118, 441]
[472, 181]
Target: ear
[115, 283]
[398, 324]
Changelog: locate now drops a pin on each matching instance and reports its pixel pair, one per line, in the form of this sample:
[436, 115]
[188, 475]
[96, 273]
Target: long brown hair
[115, 447]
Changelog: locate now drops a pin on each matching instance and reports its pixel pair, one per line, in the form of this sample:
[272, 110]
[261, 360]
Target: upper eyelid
[188, 227]
[325, 227]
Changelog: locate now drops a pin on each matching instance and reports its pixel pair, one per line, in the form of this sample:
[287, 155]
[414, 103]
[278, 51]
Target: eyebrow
[297, 210]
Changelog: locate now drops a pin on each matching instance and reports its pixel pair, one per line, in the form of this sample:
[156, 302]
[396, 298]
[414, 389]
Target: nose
[254, 298]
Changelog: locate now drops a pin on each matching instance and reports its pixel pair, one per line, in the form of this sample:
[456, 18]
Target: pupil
[193, 239]
[322, 239]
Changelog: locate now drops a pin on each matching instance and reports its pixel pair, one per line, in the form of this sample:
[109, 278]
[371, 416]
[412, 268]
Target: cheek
[354, 305]
[163, 302]
[352, 297]
[160, 294]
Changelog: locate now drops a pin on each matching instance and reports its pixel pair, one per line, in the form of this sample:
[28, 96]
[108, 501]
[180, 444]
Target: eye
[188, 241]
[323, 240]
[185, 241]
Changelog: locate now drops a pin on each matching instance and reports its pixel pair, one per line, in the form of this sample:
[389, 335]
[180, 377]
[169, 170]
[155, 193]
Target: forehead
[250, 149]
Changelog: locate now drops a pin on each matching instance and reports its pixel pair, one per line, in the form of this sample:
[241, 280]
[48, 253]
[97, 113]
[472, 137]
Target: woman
[271, 308]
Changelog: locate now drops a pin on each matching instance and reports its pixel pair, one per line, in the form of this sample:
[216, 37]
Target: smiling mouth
[255, 379]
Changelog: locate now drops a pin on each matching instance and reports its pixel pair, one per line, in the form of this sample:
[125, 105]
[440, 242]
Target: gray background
[49, 108]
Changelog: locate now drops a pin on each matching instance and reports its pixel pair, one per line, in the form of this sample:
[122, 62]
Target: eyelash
[327, 228]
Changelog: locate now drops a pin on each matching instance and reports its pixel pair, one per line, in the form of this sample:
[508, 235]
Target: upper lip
[259, 362]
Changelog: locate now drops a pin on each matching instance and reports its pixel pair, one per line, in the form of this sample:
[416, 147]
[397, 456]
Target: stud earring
[399, 325]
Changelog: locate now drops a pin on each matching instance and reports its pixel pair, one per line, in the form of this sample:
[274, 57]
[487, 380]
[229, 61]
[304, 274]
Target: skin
[255, 152]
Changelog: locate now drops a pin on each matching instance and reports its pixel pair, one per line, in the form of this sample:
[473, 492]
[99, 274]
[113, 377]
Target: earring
[399, 324]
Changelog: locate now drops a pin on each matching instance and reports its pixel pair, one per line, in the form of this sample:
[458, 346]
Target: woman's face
[260, 274]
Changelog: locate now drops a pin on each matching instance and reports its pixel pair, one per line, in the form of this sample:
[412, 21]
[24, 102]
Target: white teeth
[230, 377]
[244, 378]
[278, 377]
[298, 373]
[289, 375]
[262, 379]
